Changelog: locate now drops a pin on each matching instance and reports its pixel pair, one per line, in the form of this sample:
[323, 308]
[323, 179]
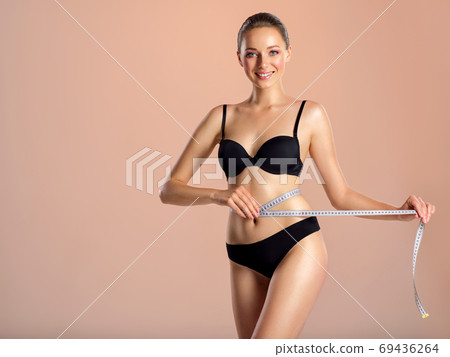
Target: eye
[250, 53]
[274, 51]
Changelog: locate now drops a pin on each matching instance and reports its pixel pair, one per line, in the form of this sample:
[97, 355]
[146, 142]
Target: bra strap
[224, 115]
[298, 117]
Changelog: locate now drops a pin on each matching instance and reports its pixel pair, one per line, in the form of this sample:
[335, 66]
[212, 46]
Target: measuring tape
[265, 212]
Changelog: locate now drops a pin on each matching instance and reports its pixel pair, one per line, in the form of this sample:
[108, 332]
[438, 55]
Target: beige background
[71, 116]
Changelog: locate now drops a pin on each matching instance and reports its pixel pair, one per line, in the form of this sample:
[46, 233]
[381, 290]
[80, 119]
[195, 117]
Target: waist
[247, 231]
[276, 201]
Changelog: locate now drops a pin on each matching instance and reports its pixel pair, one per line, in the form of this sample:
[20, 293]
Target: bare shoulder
[211, 124]
[314, 117]
[314, 111]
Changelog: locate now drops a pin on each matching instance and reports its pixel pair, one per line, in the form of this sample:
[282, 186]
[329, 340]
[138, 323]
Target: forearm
[178, 193]
[353, 200]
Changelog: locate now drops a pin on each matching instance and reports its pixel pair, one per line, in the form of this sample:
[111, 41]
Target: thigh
[293, 289]
[248, 292]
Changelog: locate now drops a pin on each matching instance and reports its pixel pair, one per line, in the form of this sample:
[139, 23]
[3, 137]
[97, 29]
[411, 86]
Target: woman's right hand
[239, 199]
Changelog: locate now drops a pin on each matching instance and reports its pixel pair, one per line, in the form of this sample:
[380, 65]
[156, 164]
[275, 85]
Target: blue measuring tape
[265, 212]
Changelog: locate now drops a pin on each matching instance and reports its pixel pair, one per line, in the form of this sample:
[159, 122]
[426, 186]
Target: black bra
[278, 155]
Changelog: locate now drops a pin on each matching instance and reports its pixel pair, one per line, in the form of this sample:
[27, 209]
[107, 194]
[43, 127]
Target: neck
[266, 98]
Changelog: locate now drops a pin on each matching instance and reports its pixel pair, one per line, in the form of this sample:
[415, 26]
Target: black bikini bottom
[265, 255]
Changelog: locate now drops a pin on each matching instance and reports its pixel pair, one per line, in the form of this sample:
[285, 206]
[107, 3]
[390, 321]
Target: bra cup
[230, 150]
[281, 147]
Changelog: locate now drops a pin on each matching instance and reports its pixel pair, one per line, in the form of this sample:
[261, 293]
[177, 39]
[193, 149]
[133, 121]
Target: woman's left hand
[424, 209]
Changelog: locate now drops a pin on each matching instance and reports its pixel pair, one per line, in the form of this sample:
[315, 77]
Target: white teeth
[264, 75]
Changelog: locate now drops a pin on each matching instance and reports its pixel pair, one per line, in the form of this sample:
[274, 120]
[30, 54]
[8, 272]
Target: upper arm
[322, 150]
[206, 135]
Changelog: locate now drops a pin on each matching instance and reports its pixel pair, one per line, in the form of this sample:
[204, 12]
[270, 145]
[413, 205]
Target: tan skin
[276, 307]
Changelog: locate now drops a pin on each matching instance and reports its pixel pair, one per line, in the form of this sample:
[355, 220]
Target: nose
[262, 61]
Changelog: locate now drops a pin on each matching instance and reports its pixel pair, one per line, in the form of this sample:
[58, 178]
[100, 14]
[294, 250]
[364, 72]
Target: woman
[275, 281]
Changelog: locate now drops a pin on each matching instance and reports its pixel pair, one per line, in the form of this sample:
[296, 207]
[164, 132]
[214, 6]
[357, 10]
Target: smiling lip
[265, 75]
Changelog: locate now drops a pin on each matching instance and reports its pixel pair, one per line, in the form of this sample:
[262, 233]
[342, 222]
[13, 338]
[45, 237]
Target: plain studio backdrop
[74, 108]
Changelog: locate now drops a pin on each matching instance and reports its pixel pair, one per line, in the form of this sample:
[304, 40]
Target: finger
[413, 202]
[241, 202]
[410, 202]
[422, 208]
[247, 198]
[256, 205]
[237, 209]
[426, 210]
[234, 204]
[429, 211]
[253, 205]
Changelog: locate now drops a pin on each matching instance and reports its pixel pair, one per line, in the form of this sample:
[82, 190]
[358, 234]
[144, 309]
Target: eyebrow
[250, 48]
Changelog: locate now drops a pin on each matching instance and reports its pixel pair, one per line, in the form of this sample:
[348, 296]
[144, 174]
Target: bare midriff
[264, 186]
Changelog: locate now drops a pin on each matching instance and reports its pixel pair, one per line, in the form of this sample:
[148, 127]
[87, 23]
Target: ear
[239, 58]
[288, 55]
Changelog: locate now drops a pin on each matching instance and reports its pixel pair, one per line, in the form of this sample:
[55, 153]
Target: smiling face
[263, 55]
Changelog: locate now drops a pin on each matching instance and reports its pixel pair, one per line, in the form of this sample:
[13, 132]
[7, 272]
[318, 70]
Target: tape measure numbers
[265, 212]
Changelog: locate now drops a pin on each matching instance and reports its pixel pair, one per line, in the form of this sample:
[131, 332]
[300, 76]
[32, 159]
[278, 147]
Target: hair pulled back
[262, 19]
